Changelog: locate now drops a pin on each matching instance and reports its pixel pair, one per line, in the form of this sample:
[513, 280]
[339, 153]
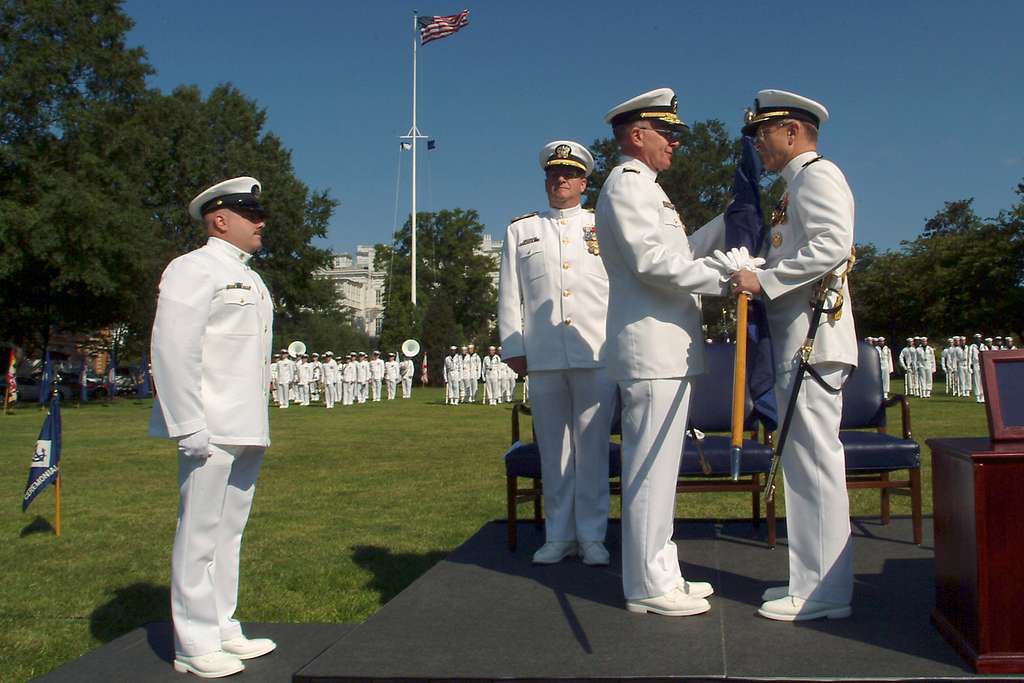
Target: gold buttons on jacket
[568, 321]
[565, 241]
[565, 266]
[566, 292]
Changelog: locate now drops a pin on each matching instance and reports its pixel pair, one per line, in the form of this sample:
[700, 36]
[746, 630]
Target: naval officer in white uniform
[552, 303]
[211, 364]
[812, 237]
[654, 343]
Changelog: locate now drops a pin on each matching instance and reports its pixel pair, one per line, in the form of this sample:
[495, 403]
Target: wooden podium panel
[978, 499]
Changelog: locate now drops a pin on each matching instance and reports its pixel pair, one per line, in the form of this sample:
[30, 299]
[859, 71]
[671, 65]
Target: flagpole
[414, 134]
[57, 503]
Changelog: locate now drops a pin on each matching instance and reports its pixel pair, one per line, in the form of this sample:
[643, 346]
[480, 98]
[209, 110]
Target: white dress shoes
[791, 608]
[774, 593]
[211, 665]
[248, 648]
[696, 589]
[556, 551]
[675, 603]
[594, 553]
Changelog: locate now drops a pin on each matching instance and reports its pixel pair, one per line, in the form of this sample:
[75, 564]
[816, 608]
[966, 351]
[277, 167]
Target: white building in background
[360, 288]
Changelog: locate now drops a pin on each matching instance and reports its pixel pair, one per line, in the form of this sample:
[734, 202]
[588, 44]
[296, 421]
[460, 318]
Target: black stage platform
[484, 613]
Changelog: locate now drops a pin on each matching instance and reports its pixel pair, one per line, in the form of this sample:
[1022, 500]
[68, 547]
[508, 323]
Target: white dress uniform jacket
[655, 274]
[816, 238]
[552, 292]
[211, 348]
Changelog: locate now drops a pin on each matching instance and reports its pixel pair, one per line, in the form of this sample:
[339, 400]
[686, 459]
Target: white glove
[195, 445]
[737, 259]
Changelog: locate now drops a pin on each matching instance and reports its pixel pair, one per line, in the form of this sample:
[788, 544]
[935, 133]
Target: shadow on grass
[392, 572]
[132, 606]
[37, 526]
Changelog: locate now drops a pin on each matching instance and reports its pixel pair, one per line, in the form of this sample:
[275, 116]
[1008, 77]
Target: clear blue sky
[926, 97]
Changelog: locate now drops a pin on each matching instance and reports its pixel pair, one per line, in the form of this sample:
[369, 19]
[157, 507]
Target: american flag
[432, 28]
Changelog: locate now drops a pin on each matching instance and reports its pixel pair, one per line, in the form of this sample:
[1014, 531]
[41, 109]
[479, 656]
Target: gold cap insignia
[563, 151]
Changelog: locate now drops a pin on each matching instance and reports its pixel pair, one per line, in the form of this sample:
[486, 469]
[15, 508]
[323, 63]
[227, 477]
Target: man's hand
[745, 281]
[518, 364]
[195, 445]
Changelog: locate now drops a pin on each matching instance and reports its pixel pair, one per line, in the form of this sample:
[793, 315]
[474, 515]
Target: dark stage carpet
[484, 613]
[145, 655]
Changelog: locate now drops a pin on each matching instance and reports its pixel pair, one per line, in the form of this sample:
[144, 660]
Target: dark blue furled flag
[46, 380]
[143, 389]
[46, 458]
[744, 227]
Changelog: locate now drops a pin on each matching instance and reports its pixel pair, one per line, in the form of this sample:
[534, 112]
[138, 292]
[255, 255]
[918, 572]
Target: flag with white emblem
[46, 457]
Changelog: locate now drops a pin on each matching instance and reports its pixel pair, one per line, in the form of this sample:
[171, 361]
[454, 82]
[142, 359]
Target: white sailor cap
[567, 153]
[881, 338]
[362, 353]
[327, 353]
[453, 348]
[988, 338]
[376, 353]
[236, 193]
[778, 104]
[655, 105]
[910, 339]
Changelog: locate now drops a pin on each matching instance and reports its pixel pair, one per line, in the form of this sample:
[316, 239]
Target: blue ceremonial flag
[744, 227]
[46, 380]
[431, 144]
[46, 458]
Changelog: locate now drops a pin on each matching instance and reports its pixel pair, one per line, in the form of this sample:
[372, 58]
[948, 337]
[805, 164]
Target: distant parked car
[69, 386]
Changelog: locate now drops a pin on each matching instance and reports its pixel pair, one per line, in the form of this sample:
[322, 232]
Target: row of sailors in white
[884, 360]
[961, 363]
[464, 369]
[917, 360]
[354, 380]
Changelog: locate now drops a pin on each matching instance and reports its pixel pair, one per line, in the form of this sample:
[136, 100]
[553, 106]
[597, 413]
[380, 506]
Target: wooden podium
[978, 500]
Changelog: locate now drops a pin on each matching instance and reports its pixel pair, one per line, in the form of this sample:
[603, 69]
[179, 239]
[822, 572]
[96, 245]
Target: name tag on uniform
[531, 240]
[238, 285]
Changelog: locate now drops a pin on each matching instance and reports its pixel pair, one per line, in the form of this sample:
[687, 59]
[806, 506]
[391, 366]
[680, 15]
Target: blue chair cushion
[717, 450]
[871, 451]
[523, 460]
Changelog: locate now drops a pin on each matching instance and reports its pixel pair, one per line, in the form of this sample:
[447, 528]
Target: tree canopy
[96, 171]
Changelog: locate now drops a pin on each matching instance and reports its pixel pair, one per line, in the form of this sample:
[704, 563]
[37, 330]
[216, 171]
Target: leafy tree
[440, 330]
[448, 267]
[320, 331]
[73, 235]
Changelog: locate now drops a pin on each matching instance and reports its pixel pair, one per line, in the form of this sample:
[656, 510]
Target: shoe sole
[835, 613]
[596, 563]
[183, 668]
[644, 609]
[554, 561]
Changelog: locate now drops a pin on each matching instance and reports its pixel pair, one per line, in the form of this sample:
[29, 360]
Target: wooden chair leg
[885, 499]
[915, 504]
[756, 501]
[511, 492]
[536, 503]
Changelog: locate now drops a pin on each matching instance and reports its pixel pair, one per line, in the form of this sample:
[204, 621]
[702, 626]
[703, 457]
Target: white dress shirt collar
[796, 164]
[552, 212]
[229, 250]
[644, 169]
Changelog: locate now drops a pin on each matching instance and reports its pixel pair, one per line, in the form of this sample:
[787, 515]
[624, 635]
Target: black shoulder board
[525, 215]
[630, 170]
[817, 158]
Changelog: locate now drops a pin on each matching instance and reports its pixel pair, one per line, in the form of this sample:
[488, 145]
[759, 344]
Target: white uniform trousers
[282, 395]
[329, 394]
[375, 388]
[454, 390]
[817, 505]
[885, 383]
[491, 385]
[654, 414]
[923, 376]
[572, 416]
[392, 386]
[467, 389]
[406, 387]
[216, 496]
[979, 392]
[348, 390]
[362, 391]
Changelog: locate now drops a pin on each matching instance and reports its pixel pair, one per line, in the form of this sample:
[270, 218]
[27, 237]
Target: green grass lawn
[353, 504]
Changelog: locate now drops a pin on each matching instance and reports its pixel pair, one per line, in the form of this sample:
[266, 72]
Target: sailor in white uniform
[362, 378]
[654, 343]
[974, 367]
[908, 361]
[885, 358]
[963, 372]
[811, 239]
[453, 376]
[552, 305]
[473, 373]
[491, 363]
[211, 365]
[391, 375]
[376, 376]
[406, 370]
[349, 380]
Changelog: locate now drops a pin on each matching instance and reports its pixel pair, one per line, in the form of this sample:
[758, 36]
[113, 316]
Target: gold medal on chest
[776, 239]
[779, 212]
[590, 237]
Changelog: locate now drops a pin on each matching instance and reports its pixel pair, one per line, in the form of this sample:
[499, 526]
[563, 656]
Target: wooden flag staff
[739, 385]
